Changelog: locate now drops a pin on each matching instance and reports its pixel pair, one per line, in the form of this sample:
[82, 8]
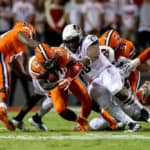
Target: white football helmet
[71, 31]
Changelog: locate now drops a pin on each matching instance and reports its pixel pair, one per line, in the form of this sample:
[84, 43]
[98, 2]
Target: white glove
[65, 83]
[121, 61]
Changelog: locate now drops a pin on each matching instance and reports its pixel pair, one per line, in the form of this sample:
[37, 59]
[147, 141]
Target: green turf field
[60, 137]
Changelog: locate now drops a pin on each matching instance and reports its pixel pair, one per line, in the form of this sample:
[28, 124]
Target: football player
[115, 47]
[111, 43]
[12, 45]
[104, 79]
[50, 60]
[121, 47]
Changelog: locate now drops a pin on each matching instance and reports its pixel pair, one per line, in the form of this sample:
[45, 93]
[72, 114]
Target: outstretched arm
[23, 37]
[17, 65]
[142, 58]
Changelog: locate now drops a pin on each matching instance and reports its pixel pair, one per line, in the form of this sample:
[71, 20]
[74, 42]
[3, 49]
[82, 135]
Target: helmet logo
[76, 27]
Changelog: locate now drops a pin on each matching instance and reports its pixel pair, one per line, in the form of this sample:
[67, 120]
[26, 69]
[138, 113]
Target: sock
[112, 122]
[28, 106]
[139, 94]
[68, 115]
[45, 107]
[144, 115]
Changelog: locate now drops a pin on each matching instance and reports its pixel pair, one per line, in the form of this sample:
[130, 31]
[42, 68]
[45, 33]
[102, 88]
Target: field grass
[61, 137]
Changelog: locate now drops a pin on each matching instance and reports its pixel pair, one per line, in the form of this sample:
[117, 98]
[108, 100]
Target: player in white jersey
[104, 79]
[131, 106]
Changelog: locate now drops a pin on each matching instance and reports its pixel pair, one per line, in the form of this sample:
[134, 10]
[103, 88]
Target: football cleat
[134, 127]
[83, 125]
[4, 119]
[36, 122]
[18, 124]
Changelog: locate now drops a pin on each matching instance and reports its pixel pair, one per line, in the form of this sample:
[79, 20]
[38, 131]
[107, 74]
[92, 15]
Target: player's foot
[36, 122]
[83, 125]
[18, 124]
[134, 127]
[5, 120]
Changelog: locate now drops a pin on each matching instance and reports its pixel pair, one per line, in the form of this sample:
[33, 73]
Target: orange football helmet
[26, 25]
[44, 53]
[110, 38]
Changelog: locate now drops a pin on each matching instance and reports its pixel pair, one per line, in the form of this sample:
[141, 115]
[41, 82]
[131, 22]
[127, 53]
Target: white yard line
[77, 137]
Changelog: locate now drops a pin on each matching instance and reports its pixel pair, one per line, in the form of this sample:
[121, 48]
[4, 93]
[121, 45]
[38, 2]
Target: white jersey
[101, 71]
[96, 67]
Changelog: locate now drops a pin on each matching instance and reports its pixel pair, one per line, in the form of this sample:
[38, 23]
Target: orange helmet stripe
[43, 52]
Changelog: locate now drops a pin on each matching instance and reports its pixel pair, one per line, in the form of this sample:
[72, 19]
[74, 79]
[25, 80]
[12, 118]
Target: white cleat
[18, 124]
[38, 124]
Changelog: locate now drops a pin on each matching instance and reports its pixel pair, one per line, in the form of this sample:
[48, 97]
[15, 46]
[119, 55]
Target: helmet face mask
[49, 64]
[72, 44]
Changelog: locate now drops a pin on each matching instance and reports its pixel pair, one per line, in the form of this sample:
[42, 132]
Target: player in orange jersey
[59, 94]
[12, 46]
[122, 47]
[49, 59]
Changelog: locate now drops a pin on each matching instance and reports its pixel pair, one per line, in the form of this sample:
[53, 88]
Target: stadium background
[50, 16]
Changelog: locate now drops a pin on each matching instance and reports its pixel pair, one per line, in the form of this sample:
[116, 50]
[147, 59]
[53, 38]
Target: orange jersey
[9, 42]
[122, 47]
[144, 56]
[126, 49]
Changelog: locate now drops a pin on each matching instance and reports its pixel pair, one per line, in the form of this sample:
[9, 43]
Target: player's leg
[80, 91]
[59, 100]
[4, 88]
[36, 119]
[104, 99]
[132, 106]
[18, 119]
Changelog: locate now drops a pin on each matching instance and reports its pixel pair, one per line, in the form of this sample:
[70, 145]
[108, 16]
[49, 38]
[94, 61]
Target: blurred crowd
[130, 17]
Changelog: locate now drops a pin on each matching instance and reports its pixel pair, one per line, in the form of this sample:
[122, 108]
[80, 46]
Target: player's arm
[24, 38]
[142, 58]
[92, 54]
[17, 65]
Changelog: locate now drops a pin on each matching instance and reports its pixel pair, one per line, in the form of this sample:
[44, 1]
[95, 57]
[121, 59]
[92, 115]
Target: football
[53, 76]
[74, 70]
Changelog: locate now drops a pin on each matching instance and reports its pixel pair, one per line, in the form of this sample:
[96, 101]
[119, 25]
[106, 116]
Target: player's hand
[86, 61]
[121, 61]
[65, 83]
